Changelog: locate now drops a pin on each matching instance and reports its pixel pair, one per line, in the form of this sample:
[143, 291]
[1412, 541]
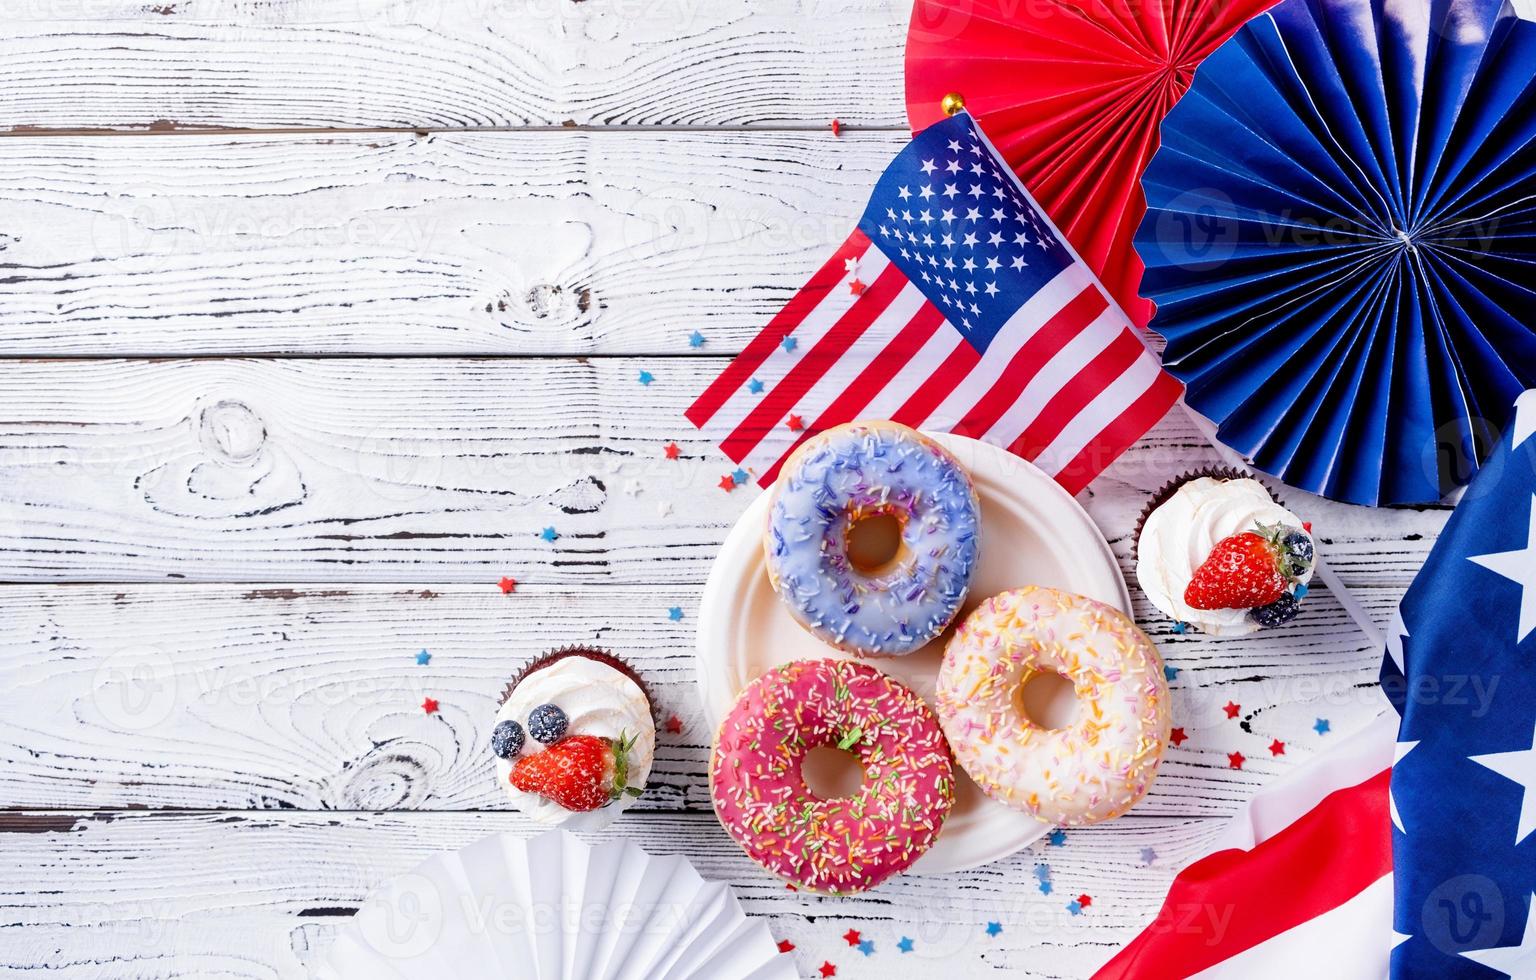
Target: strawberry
[579, 772]
[1241, 572]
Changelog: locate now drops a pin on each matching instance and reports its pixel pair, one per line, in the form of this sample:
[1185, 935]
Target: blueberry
[1298, 551]
[507, 739]
[547, 723]
[1282, 610]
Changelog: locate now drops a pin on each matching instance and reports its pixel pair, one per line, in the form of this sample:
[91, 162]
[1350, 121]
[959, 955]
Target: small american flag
[955, 306]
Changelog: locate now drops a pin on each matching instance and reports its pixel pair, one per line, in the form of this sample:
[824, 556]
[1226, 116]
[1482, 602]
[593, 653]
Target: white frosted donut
[1097, 767]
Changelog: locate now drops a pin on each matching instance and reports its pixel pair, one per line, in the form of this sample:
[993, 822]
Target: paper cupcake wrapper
[554, 908]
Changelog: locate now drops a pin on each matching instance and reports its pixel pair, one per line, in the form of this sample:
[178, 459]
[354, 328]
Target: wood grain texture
[494, 243]
[436, 470]
[150, 896]
[448, 64]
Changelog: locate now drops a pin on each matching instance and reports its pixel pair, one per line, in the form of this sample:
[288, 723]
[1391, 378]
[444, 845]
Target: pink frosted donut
[839, 846]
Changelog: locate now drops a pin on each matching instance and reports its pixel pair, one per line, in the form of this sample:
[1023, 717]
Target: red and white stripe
[1067, 383]
[1300, 885]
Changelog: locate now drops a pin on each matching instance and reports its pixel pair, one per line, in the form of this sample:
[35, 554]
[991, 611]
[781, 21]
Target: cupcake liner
[1166, 491]
[590, 653]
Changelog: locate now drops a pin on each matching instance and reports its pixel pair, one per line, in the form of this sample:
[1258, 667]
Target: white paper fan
[554, 908]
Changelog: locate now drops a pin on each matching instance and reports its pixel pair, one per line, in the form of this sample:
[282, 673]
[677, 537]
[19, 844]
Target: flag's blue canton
[951, 217]
[1461, 669]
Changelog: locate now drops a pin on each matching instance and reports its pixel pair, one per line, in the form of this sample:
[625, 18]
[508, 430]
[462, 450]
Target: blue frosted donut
[897, 600]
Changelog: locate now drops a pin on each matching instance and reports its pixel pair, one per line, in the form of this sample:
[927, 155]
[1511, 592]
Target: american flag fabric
[1411, 851]
[955, 306]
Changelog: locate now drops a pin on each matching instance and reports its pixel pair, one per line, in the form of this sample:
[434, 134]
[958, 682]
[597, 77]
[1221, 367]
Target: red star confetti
[1277, 747]
[857, 287]
[1232, 709]
[785, 946]
[727, 483]
[828, 970]
[508, 585]
[429, 705]
[796, 423]
[675, 725]
[1084, 900]
[1177, 737]
[837, 128]
[1235, 760]
[671, 449]
[853, 937]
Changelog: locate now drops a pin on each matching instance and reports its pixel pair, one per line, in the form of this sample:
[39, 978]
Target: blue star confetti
[867, 947]
[675, 613]
[1301, 592]
[755, 386]
[741, 477]
[1056, 838]
[646, 377]
[695, 340]
[1148, 856]
[1320, 726]
[1171, 673]
[1046, 887]
[1075, 907]
[549, 534]
[905, 945]
[993, 928]
[423, 658]
[1181, 628]
[789, 344]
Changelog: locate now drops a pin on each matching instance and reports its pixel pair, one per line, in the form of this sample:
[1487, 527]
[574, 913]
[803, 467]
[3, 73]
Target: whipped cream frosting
[1179, 535]
[597, 700]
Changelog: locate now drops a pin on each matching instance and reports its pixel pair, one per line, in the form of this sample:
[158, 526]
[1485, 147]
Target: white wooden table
[313, 313]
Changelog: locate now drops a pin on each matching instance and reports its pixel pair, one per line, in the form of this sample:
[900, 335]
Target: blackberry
[1297, 546]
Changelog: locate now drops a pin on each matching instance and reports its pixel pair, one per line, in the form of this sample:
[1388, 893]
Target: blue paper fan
[1341, 240]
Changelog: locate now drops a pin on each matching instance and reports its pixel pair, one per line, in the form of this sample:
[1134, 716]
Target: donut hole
[873, 541]
[1047, 699]
[832, 773]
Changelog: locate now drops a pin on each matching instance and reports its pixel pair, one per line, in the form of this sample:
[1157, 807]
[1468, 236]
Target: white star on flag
[1513, 961]
[1525, 417]
[1520, 568]
[1402, 749]
[1519, 766]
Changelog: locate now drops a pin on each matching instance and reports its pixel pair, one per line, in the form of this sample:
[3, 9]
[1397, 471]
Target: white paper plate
[554, 908]
[1032, 533]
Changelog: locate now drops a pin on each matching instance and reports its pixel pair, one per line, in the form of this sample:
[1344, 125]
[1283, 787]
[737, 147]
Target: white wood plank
[438, 64]
[432, 470]
[308, 697]
[261, 895]
[540, 243]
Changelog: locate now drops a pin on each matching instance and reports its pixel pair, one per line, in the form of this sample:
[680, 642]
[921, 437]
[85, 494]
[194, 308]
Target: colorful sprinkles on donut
[872, 537]
[1093, 769]
[832, 846]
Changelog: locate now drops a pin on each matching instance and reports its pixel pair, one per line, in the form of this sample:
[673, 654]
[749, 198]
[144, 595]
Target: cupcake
[1214, 550]
[574, 739]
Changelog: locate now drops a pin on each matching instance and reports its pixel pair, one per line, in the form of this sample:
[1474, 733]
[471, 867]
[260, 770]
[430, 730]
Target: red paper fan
[1072, 94]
